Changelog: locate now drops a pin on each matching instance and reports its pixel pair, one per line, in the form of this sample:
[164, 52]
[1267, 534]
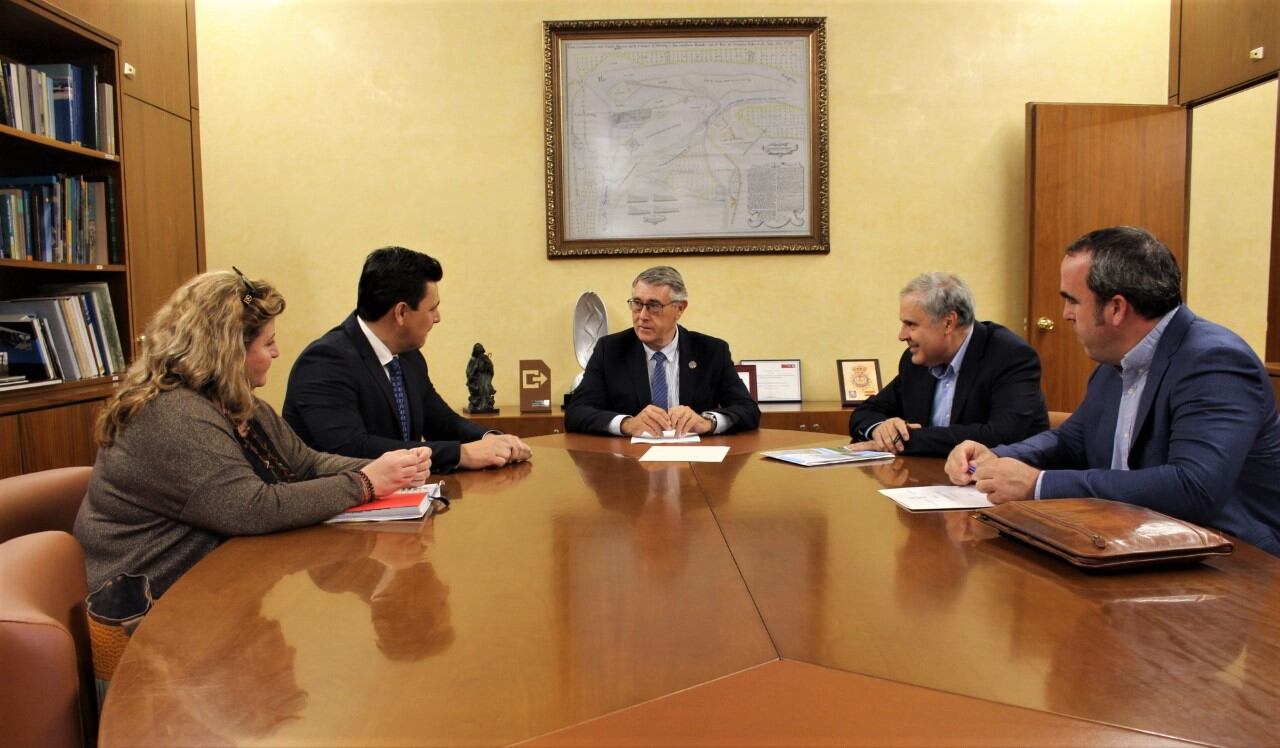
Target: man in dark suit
[362, 389]
[958, 379]
[658, 376]
[1179, 416]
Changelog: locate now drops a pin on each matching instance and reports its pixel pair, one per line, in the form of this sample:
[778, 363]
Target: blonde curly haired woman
[189, 457]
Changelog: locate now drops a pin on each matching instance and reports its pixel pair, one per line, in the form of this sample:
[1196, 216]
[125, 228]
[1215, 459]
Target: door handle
[1044, 323]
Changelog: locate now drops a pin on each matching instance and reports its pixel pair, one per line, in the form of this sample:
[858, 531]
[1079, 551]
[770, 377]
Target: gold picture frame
[686, 136]
[859, 379]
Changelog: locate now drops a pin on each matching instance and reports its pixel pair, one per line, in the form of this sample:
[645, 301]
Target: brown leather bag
[1102, 534]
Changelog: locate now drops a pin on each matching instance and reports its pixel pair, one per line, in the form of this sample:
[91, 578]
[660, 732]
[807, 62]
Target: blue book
[68, 117]
[22, 342]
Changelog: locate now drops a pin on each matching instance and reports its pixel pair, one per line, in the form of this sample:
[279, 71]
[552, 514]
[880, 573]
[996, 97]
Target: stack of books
[69, 334]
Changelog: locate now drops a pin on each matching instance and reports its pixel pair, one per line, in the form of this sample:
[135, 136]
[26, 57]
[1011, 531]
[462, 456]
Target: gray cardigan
[176, 483]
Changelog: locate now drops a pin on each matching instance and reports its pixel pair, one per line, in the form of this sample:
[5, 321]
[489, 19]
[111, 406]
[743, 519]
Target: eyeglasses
[654, 307]
[250, 293]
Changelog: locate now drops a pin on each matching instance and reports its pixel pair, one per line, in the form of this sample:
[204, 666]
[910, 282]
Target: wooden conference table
[587, 598]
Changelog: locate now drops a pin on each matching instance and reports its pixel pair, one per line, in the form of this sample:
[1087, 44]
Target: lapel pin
[693, 364]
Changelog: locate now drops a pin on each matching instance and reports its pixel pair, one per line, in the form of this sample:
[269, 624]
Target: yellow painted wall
[331, 128]
[1233, 145]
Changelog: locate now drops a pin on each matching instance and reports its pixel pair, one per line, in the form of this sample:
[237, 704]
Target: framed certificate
[748, 375]
[777, 379]
[859, 379]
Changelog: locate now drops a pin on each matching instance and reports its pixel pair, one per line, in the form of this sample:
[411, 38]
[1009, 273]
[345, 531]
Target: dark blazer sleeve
[1002, 404]
[728, 394]
[328, 396]
[997, 400]
[443, 429]
[885, 404]
[589, 409]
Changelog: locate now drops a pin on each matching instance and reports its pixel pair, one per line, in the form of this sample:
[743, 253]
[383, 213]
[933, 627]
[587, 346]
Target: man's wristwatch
[710, 415]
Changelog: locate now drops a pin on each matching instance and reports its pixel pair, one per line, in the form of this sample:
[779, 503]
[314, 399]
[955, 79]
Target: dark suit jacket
[997, 398]
[617, 382]
[340, 400]
[1206, 446]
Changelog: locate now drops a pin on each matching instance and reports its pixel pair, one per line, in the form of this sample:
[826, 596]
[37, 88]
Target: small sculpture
[480, 382]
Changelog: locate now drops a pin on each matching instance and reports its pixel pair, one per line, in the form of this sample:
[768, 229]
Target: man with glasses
[658, 376]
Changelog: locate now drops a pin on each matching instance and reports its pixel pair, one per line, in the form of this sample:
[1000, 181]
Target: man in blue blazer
[658, 375]
[958, 379]
[362, 389]
[1179, 417]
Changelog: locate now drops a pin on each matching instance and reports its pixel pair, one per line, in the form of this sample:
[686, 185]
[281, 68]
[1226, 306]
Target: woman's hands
[402, 468]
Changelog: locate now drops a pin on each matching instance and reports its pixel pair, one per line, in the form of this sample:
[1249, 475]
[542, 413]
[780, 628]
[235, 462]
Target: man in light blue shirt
[1179, 415]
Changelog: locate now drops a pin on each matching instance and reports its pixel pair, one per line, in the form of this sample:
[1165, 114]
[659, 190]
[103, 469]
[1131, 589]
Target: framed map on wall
[686, 136]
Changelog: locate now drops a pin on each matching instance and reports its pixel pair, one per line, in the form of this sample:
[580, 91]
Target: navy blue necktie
[397, 388]
[658, 387]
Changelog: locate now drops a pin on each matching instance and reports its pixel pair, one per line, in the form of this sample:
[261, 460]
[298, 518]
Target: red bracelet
[369, 494]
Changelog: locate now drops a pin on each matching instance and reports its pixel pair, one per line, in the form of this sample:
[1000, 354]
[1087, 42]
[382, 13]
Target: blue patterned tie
[397, 388]
[659, 384]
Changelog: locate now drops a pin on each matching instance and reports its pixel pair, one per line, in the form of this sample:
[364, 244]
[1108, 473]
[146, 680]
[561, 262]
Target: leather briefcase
[1105, 535]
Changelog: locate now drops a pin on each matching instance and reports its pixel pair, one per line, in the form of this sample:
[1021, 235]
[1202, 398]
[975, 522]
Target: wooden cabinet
[154, 44]
[157, 191]
[1211, 42]
[11, 452]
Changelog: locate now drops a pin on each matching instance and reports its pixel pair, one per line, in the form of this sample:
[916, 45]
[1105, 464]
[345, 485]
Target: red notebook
[407, 503]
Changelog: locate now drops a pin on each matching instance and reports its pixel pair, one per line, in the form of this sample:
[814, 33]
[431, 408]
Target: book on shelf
[23, 349]
[407, 503]
[66, 101]
[24, 385]
[50, 311]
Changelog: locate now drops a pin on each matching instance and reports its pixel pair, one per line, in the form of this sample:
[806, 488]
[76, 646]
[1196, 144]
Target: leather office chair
[47, 500]
[47, 694]
[1056, 417]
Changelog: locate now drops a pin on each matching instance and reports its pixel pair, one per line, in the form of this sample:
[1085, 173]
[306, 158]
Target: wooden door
[1090, 166]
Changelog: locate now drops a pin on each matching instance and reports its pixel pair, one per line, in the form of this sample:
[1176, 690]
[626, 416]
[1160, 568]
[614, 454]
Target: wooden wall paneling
[154, 38]
[59, 437]
[1216, 36]
[11, 449]
[1273, 287]
[198, 185]
[1175, 44]
[160, 191]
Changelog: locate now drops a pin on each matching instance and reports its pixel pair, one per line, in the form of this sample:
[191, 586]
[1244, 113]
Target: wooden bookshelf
[53, 424]
[158, 197]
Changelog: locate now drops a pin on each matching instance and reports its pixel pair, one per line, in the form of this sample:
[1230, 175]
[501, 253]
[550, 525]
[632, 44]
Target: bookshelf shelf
[63, 267]
[54, 395]
[41, 141]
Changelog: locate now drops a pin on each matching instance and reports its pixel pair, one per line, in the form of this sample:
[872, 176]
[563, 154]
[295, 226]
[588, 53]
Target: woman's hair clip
[250, 293]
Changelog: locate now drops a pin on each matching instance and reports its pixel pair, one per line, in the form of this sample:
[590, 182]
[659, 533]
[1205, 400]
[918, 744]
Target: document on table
[932, 498]
[668, 437]
[685, 454]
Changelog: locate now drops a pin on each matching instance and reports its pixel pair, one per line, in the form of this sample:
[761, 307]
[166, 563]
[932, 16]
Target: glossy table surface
[587, 598]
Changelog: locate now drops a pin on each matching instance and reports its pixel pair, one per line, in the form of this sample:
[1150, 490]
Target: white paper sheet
[932, 498]
[685, 454]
